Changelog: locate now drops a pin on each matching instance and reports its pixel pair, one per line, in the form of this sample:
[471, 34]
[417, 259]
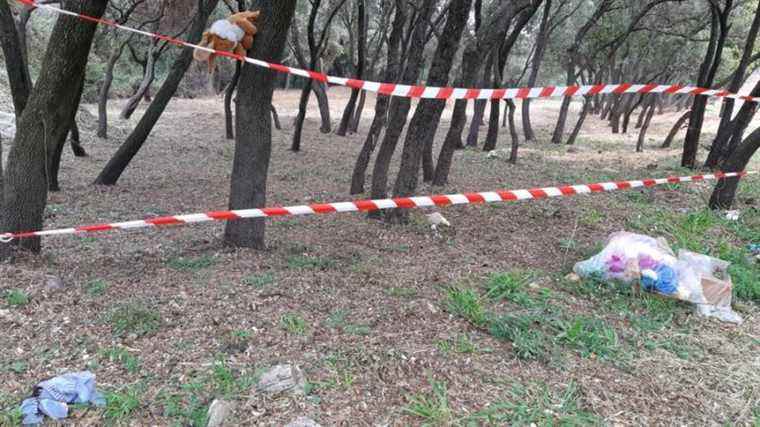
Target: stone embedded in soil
[53, 283]
[282, 378]
[219, 411]
[303, 422]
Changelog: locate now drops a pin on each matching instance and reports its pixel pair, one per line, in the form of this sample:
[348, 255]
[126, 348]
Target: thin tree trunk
[418, 144]
[354, 127]
[324, 106]
[725, 190]
[76, 143]
[275, 118]
[674, 130]
[142, 90]
[26, 177]
[303, 102]
[382, 102]
[535, 66]
[511, 107]
[13, 52]
[253, 139]
[579, 123]
[559, 129]
[127, 151]
[230, 132]
[348, 112]
[650, 109]
[105, 88]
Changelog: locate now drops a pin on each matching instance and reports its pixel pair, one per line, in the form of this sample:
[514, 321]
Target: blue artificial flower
[664, 281]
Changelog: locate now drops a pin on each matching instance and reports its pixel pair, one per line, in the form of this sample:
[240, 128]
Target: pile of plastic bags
[635, 259]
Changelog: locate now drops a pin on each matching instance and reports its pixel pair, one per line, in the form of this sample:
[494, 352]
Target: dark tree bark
[740, 123]
[725, 190]
[418, 144]
[650, 109]
[105, 88]
[356, 119]
[54, 160]
[131, 146]
[718, 34]
[253, 139]
[348, 112]
[15, 65]
[719, 150]
[674, 130]
[142, 91]
[581, 119]
[511, 107]
[230, 132]
[399, 107]
[275, 118]
[46, 119]
[542, 41]
[392, 70]
[476, 122]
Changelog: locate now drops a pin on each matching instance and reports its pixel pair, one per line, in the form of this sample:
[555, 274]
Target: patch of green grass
[525, 332]
[402, 292]
[133, 318]
[16, 298]
[678, 346]
[191, 264]
[433, 407]
[590, 337]
[337, 319]
[120, 405]
[357, 329]
[119, 354]
[96, 287]
[745, 273]
[511, 287]
[294, 324]
[536, 404]
[189, 411]
[17, 367]
[591, 218]
[310, 262]
[11, 417]
[223, 377]
[466, 303]
[461, 344]
[259, 280]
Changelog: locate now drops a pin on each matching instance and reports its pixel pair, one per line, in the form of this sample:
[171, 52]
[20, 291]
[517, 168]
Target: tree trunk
[630, 108]
[418, 144]
[105, 88]
[579, 123]
[535, 66]
[18, 74]
[46, 119]
[253, 139]
[559, 129]
[354, 127]
[493, 126]
[348, 112]
[725, 190]
[392, 70]
[719, 151]
[674, 130]
[399, 107]
[54, 161]
[76, 143]
[230, 132]
[127, 151]
[142, 90]
[513, 131]
[275, 118]
[645, 126]
[303, 102]
[324, 106]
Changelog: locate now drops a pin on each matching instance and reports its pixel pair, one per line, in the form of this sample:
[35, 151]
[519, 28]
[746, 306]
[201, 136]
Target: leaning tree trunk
[382, 102]
[399, 108]
[559, 129]
[134, 142]
[348, 112]
[18, 75]
[105, 88]
[579, 123]
[275, 118]
[418, 144]
[674, 130]
[324, 106]
[45, 120]
[253, 139]
[725, 190]
[650, 109]
[356, 119]
[142, 91]
[303, 102]
[228, 92]
[511, 107]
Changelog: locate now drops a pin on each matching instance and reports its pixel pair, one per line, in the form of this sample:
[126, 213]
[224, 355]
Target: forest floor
[391, 325]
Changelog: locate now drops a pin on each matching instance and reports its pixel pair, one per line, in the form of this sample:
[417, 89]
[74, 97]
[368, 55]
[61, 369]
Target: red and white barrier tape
[374, 205]
[407, 91]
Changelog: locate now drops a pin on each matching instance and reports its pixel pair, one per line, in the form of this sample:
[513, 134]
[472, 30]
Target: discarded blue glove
[662, 279]
[51, 397]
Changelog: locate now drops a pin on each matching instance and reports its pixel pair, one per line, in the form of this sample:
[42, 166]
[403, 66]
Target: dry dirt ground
[374, 314]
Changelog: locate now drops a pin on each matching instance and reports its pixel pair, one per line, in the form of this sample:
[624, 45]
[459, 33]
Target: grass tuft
[133, 318]
[293, 323]
[16, 298]
[466, 303]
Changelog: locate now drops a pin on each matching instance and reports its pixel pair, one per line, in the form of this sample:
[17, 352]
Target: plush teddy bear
[234, 34]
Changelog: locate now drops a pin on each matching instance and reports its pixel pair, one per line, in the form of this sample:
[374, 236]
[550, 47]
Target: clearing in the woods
[391, 325]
